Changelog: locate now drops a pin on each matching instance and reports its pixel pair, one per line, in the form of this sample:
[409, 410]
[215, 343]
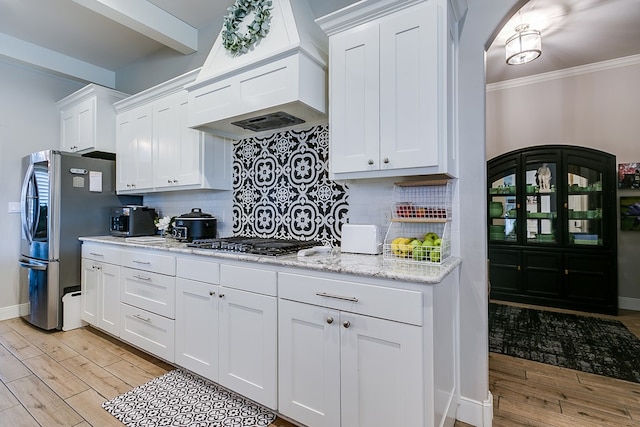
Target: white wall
[28, 122]
[598, 108]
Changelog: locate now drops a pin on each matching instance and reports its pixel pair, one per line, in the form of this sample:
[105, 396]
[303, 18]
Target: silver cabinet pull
[95, 254]
[137, 276]
[137, 316]
[212, 293]
[221, 295]
[326, 295]
[386, 160]
[329, 320]
[370, 161]
[142, 262]
[346, 324]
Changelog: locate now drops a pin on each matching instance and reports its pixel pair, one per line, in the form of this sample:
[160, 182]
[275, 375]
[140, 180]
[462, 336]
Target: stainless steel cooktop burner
[254, 245]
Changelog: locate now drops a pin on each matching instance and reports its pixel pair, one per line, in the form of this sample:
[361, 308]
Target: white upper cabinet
[157, 151]
[86, 120]
[389, 84]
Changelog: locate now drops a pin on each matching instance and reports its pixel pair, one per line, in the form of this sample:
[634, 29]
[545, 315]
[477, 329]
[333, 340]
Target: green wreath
[232, 39]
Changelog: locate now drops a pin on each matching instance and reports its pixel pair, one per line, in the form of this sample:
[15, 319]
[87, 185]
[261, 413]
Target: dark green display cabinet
[552, 228]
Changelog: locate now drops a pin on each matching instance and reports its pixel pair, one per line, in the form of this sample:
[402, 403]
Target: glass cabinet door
[541, 201]
[584, 205]
[503, 206]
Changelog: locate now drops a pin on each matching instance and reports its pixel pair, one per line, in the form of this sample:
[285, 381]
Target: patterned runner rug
[587, 344]
[180, 398]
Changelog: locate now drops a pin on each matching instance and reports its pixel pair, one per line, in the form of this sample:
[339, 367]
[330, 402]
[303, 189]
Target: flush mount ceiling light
[524, 46]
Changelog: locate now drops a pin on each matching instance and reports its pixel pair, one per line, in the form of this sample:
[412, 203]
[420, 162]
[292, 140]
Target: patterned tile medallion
[282, 188]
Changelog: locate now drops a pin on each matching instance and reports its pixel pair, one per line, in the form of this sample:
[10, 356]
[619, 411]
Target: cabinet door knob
[329, 320]
[212, 293]
[221, 295]
[370, 161]
[168, 181]
[346, 324]
[175, 181]
[386, 160]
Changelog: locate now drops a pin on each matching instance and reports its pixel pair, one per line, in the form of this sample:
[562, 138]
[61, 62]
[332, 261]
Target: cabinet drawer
[198, 269]
[249, 279]
[148, 331]
[149, 291]
[386, 303]
[149, 261]
[104, 253]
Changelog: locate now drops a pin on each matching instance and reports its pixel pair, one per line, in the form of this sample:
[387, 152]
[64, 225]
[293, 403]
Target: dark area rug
[588, 344]
[180, 398]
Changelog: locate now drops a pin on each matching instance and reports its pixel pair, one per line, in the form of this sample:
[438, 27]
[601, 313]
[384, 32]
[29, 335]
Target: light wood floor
[62, 378]
[528, 393]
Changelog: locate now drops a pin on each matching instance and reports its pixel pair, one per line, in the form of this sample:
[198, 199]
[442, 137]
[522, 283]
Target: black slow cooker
[195, 225]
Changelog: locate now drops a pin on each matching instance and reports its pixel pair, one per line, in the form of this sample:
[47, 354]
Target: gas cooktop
[254, 245]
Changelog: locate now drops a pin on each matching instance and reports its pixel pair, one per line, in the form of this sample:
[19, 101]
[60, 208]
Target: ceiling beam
[57, 63]
[148, 19]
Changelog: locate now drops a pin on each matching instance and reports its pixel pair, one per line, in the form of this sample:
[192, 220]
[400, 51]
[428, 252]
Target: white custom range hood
[281, 83]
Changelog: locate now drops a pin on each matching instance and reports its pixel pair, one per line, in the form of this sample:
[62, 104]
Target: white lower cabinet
[337, 367]
[100, 284]
[249, 334]
[197, 301]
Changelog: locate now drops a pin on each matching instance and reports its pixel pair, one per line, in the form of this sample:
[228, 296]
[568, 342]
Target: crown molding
[567, 72]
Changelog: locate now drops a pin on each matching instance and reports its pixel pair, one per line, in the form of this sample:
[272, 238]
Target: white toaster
[361, 239]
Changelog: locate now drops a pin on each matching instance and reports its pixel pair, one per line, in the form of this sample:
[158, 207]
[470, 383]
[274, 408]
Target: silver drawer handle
[137, 276]
[326, 295]
[137, 316]
[142, 262]
[95, 254]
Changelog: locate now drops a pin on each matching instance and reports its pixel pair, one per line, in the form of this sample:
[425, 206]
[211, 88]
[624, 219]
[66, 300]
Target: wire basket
[422, 201]
[417, 244]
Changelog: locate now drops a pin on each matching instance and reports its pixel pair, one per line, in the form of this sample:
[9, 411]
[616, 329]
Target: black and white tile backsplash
[282, 188]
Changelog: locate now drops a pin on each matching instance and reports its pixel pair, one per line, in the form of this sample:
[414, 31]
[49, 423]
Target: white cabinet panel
[134, 135]
[109, 299]
[309, 364]
[197, 327]
[90, 283]
[150, 291]
[248, 344]
[249, 279]
[381, 372]
[149, 261]
[148, 331]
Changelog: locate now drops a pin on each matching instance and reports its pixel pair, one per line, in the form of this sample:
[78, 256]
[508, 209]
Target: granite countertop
[336, 262]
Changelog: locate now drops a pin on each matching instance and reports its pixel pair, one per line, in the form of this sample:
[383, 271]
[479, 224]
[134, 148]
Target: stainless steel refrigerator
[64, 196]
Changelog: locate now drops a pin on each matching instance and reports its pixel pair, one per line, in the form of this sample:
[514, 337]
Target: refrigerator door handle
[28, 223]
[33, 265]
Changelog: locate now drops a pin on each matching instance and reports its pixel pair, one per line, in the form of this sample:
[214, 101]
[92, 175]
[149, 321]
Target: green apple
[431, 236]
[420, 253]
[437, 242]
[434, 256]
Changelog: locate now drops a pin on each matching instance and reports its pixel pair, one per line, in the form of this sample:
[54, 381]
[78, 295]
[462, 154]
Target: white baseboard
[629, 303]
[9, 312]
[479, 414]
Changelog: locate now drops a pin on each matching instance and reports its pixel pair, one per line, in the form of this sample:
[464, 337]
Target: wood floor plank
[88, 405]
[17, 416]
[50, 344]
[21, 326]
[101, 380]
[42, 403]
[129, 373]
[597, 416]
[7, 399]
[64, 383]
[20, 347]
[11, 368]
[76, 340]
